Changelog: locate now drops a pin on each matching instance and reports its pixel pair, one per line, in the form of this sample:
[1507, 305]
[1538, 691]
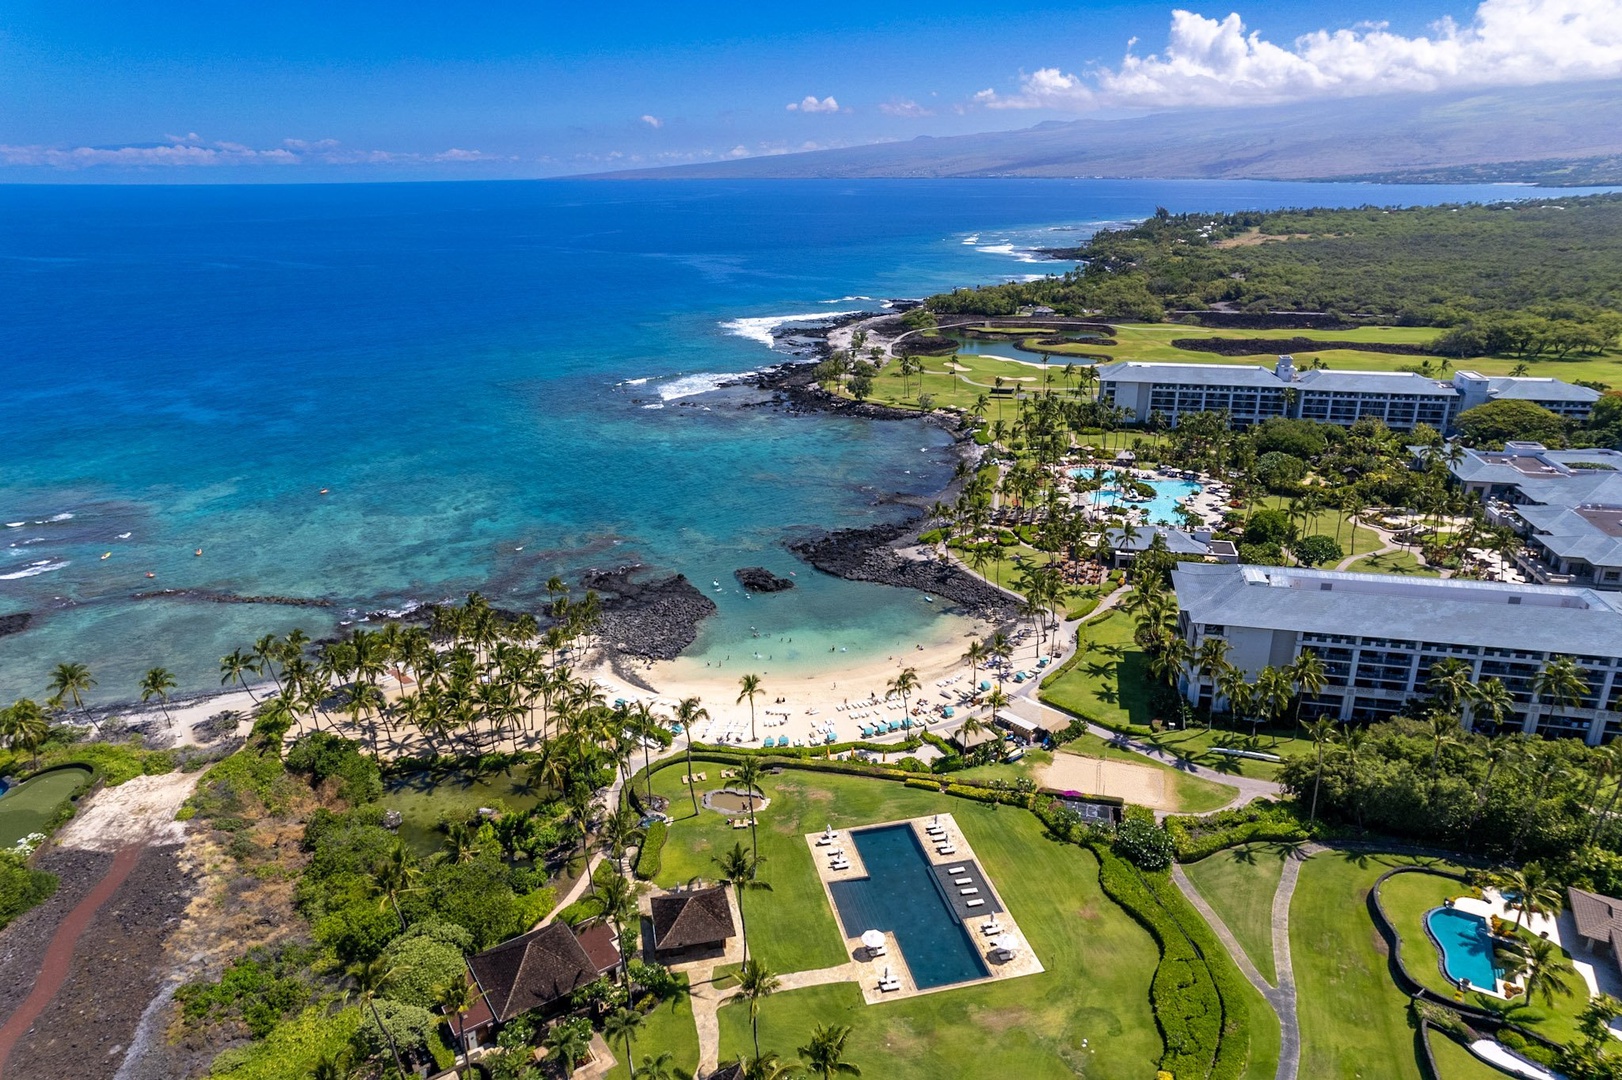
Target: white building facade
[1378, 637]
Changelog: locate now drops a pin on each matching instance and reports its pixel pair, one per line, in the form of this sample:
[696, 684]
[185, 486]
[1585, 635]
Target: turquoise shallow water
[495, 383]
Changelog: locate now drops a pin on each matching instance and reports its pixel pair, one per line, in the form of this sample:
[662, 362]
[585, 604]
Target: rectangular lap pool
[900, 895]
[1466, 946]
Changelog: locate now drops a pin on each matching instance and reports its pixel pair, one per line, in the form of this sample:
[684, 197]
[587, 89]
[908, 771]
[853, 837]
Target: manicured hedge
[1199, 837]
[648, 859]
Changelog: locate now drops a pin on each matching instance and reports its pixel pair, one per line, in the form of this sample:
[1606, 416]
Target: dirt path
[59, 955]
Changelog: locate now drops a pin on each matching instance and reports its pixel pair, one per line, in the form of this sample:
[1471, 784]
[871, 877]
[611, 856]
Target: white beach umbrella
[873, 939]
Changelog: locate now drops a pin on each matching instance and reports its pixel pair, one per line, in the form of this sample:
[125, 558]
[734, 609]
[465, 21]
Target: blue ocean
[492, 383]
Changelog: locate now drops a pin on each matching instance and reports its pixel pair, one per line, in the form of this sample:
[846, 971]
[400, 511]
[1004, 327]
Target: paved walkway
[1281, 998]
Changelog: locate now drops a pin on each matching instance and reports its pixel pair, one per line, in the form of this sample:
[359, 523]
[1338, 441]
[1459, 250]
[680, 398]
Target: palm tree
[26, 725]
[331, 1067]
[619, 904]
[1444, 731]
[756, 981]
[394, 875]
[1308, 676]
[157, 683]
[1561, 681]
[747, 776]
[824, 1055]
[1536, 893]
[454, 999]
[1544, 969]
[767, 1066]
[662, 1066]
[688, 713]
[1493, 698]
[567, 1045]
[749, 687]
[974, 656]
[740, 870]
[69, 682]
[1321, 732]
[904, 684]
[369, 977]
[232, 669]
[624, 1024]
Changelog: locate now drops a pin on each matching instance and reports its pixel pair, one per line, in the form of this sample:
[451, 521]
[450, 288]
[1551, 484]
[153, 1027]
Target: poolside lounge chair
[824, 840]
[946, 849]
[970, 891]
[992, 926]
[891, 983]
[954, 869]
[974, 903]
[876, 951]
[839, 864]
[963, 881]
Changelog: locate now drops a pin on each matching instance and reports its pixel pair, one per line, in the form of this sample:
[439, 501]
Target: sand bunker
[139, 811]
[1139, 784]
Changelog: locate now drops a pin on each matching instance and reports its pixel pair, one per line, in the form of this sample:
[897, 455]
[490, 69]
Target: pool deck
[872, 968]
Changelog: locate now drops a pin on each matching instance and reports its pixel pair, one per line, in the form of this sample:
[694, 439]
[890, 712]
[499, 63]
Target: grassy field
[1407, 897]
[1454, 1062]
[1354, 1023]
[1099, 962]
[1392, 562]
[1239, 884]
[961, 379]
[29, 806]
[1109, 684]
[665, 1029]
[1331, 522]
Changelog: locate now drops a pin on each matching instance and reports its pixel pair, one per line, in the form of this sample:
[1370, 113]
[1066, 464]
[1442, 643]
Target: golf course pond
[30, 805]
[426, 798]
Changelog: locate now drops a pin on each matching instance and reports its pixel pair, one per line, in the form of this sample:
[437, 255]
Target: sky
[309, 90]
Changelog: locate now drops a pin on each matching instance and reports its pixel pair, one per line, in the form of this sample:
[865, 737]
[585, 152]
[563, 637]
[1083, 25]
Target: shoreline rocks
[871, 554]
[15, 623]
[212, 597]
[652, 620]
[761, 580]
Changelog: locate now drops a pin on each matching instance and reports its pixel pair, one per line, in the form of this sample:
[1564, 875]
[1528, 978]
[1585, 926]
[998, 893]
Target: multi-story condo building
[1251, 394]
[1565, 504]
[1378, 637]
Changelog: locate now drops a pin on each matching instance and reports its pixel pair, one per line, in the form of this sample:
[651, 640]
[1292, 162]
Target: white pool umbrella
[873, 939]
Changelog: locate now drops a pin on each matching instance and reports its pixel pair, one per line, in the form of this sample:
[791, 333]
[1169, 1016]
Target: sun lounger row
[695, 778]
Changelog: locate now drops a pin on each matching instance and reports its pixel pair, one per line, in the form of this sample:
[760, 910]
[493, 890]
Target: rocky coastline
[873, 554]
[761, 580]
[648, 620]
[212, 596]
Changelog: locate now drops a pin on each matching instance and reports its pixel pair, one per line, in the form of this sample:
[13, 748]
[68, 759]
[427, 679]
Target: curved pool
[1466, 946]
[1161, 510]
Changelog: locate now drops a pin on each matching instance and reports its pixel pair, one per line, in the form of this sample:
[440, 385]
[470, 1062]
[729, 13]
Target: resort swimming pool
[1162, 509]
[900, 895]
[1466, 946]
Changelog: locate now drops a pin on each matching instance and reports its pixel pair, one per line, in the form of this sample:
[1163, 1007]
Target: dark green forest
[1453, 265]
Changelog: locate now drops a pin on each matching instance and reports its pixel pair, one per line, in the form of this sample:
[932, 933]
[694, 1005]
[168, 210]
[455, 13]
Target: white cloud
[1210, 61]
[652, 121]
[192, 151]
[810, 104]
[906, 108]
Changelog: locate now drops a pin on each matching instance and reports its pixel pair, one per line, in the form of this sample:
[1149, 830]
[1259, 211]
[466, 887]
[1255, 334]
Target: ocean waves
[44, 566]
[761, 329]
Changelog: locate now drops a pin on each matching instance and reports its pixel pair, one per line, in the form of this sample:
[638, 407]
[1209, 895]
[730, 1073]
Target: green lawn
[1331, 522]
[1454, 1062]
[665, 1029]
[1354, 1021]
[1239, 884]
[29, 807]
[1108, 682]
[1407, 897]
[1098, 961]
[1265, 1036]
[1392, 562]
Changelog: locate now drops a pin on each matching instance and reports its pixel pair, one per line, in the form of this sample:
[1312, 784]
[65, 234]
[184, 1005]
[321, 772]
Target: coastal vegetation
[1543, 273]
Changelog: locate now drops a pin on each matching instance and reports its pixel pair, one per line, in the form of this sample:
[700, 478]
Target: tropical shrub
[1143, 843]
[649, 857]
[425, 958]
[322, 755]
[21, 886]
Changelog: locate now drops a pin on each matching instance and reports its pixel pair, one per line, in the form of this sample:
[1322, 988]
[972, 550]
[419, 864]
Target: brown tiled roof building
[537, 970]
[691, 920]
[1598, 919]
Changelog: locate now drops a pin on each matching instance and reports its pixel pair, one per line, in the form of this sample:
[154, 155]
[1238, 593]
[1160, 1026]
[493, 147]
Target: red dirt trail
[59, 956]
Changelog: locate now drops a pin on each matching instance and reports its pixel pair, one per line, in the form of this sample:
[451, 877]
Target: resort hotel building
[1566, 505]
[1379, 635]
[1251, 394]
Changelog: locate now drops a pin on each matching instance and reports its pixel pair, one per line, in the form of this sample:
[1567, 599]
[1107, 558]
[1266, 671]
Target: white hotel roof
[1137, 371]
[1546, 619]
[1373, 382]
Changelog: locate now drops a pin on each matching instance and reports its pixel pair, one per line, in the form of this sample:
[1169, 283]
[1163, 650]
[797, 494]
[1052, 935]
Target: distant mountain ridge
[1505, 132]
